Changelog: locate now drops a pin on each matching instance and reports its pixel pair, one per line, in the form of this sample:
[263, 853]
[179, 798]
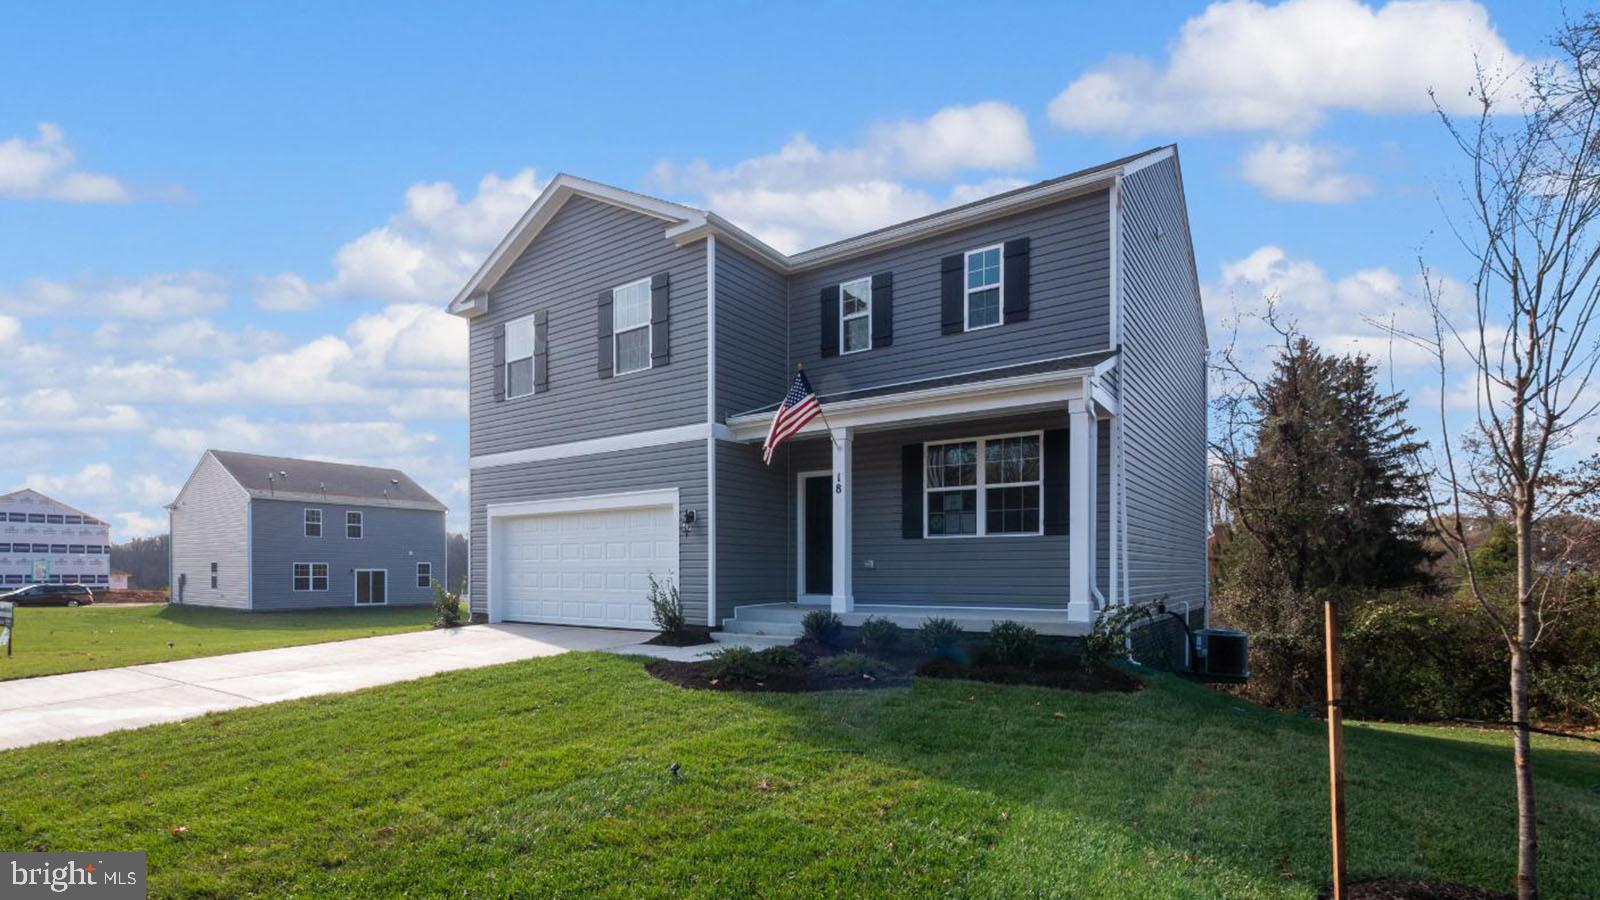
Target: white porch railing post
[843, 599]
[1082, 444]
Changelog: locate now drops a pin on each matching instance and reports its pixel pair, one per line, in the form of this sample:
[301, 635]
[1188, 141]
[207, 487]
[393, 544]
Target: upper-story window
[314, 523]
[984, 286]
[54, 519]
[630, 327]
[352, 524]
[519, 357]
[855, 315]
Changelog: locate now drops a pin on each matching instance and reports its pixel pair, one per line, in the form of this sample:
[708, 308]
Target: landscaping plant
[879, 636]
[447, 605]
[940, 637]
[1108, 637]
[1013, 644]
[666, 606]
[855, 665]
[744, 666]
[823, 627]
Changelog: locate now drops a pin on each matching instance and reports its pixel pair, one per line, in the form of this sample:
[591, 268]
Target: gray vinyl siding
[1069, 301]
[754, 536]
[752, 344]
[588, 247]
[209, 525]
[1163, 393]
[1031, 571]
[681, 466]
[391, 539]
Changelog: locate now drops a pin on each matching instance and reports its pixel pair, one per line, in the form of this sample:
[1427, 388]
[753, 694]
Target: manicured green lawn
[550, 777]
[51, 640]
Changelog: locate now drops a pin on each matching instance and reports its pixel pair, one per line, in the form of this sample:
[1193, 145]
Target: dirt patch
[696, 676]
[1400, 889]
[689, 637]
[130, 596]
[1066, 677]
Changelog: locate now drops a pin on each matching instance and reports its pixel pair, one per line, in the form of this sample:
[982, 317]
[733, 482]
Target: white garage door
[589, 567]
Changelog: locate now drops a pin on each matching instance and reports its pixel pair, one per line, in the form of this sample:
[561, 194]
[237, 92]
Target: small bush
[1108, 639]
[855, 665]
[940, 637]
[822, 626]
[447, 605]
[1013, 644]
[879, 636]
[743, 666]
[666, 606]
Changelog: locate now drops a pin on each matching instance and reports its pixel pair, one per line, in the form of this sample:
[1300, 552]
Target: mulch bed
[1401, 889]
[689, 637]
[694, 675]
[129, 596]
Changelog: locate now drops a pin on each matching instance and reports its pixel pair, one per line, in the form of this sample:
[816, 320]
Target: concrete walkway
[81, 704]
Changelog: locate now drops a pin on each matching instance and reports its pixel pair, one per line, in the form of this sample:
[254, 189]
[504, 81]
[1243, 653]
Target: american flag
[799, 406]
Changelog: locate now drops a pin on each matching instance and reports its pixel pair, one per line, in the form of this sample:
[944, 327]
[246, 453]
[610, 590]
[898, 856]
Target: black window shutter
[541, 351]
[952, 317]
[1016, 277]
[660, 309]
[911, 491]
[1057, 511]
[883, 309]
[499, 362]
[603, 335]
[830, 320]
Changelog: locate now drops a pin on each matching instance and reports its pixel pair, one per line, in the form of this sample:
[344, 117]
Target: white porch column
[1082, 494]
[843, 599]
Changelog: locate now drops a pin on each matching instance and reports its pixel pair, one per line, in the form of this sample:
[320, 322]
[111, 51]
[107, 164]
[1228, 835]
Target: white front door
[584, 566]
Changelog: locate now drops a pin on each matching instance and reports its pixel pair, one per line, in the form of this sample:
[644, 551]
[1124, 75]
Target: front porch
[978, 501]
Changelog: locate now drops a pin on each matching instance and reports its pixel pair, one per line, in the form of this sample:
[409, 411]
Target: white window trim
[505, 369]
[420, 567]
[650, 334]
[306, 522]
[311, 578]
[360, 523]
[967, 290]
[355, 582]
[844, 318]
[982, 487]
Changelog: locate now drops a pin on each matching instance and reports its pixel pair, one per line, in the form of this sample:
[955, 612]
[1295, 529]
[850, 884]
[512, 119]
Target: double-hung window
[352, 524]
[855, 315]
[424, 574]
[984, 286]
[314, 523]
[988, 486]
[630, 327]
[310, 576]
[519, 357]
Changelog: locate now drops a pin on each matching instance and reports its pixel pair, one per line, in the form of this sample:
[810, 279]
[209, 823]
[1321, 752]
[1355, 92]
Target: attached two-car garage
[581, 560]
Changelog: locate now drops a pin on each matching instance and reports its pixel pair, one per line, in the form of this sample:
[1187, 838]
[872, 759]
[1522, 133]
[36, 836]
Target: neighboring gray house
[272, 533]
[1014, 392]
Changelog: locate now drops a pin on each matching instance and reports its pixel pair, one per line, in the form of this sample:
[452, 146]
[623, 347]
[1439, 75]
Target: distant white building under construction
[45, 541]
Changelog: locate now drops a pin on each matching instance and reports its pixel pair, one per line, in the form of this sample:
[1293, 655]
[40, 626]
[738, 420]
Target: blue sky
[237, 227]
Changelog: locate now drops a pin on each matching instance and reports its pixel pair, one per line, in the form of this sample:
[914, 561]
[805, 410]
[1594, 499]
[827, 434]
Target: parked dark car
[50, 595]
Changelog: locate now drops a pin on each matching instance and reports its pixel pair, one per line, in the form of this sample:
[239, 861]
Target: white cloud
[137, 525]
[58, 410]
[10, 329]
[1244, 66]
[428, 250]
[287, 292]
[407, 337]
[150, 490]
[43, 167]
[161, 296]
[802, 194]
[191, 338]
[1304, 172]
[94, 480]
[366, 442]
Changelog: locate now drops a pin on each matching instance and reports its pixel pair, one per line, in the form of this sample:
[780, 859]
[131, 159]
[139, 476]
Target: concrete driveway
[81, 704]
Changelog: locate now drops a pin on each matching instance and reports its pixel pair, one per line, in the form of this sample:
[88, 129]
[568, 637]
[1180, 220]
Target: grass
[52, 640]
[550, 778]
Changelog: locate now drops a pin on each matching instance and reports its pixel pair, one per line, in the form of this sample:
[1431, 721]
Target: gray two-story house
[1013, 396]
[259, 532]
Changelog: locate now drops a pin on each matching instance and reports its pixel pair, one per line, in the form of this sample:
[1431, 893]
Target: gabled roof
[68, 508]
[685, 224]
[284, 478]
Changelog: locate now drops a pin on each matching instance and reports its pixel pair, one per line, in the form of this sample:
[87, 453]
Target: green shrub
[447, 605]
[1013, 644]
[879, 635]
[822, 626]
[1108, 637]
[742, 666]
[666, 606]
[855, 665]
[940, 637]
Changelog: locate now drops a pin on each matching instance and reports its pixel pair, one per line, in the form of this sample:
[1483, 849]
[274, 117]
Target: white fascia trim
[1043, 388]
[1150, 159]
[678, 434]
[583, 503]
[472, 300]
[711, 431]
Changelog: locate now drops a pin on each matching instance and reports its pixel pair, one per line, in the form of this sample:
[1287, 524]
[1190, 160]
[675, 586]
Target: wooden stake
[1330, 627]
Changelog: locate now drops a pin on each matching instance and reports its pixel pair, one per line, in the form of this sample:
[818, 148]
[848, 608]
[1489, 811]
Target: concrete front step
[770, 628]
[784, 619]
[754, 641]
